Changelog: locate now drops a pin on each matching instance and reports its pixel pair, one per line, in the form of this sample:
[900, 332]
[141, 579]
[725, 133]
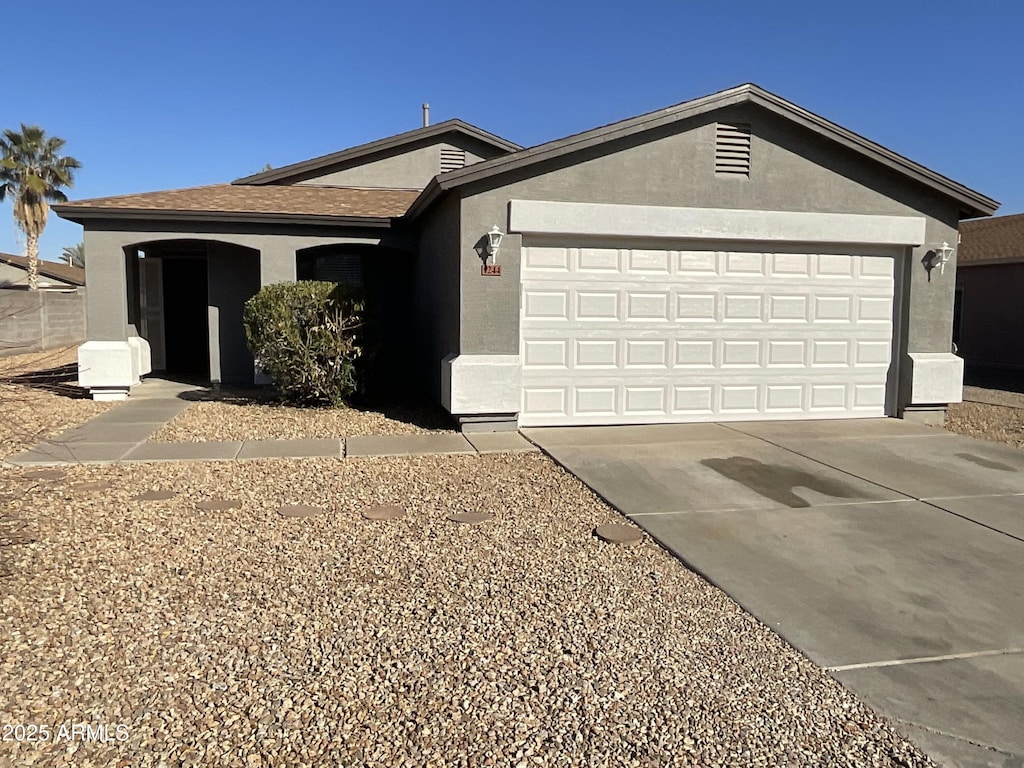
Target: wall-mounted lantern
[494, 242]
[938, 257]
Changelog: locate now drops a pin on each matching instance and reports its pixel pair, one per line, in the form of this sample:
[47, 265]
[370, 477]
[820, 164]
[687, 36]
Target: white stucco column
[107, 364]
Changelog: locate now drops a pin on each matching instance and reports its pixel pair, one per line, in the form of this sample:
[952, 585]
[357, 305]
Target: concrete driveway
[891, 554]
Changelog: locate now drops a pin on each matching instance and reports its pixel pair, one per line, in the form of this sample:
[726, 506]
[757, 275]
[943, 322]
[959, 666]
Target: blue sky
[160, 95]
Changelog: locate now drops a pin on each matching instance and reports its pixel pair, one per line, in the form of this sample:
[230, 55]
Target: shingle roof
[51, 269]
[990, 241]
[295, 200]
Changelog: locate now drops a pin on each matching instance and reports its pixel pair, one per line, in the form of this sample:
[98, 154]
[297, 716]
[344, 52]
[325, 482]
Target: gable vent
[732, 149]
[452, 159]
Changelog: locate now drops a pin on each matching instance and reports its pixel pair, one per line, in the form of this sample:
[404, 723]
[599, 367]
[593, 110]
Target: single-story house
[52, 276]
[733, 257]
[989, 316]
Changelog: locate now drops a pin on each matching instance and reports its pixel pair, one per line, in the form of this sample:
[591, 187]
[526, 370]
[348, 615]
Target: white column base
[143, 358]
[107, 369]
[481, 384]
[937, 378]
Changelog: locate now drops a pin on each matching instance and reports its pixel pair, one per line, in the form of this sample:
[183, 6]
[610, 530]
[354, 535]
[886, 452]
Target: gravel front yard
[29, 414]
[989, 414]
[241, 417]
[243, 638]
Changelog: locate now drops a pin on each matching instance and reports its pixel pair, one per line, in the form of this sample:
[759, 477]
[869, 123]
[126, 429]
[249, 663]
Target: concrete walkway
[122, 434]
[889, 553]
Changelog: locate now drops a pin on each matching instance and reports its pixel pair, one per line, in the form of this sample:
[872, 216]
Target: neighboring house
[988, 328]
[734, 257]
[52, 276]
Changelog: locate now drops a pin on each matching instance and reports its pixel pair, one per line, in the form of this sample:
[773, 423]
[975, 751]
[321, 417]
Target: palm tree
[32, 172]
[74, 255]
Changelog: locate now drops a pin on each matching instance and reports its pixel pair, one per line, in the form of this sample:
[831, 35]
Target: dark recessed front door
[185, 317]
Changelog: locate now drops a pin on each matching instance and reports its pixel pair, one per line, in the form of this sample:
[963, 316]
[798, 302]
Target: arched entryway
[185, 297]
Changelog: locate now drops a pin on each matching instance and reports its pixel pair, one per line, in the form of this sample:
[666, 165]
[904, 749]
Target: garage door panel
[741, 353]
[832, 266]
[597, 260]
[645, 353]
[788, 398]
[546, 305]
[599, 402]
[701, 263]
[546, 353]
[596, 353]
[642, 400]
[650, 262]
[744, 264]
[554, 260]
[648, 335]
[608, 349]
[874, 309]
[597, 305]
[695, 353]
[615, 402]
[788, 308]
[697, 307]
[742, 307]
[791, 265]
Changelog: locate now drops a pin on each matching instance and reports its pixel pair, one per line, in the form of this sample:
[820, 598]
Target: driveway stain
[983, 462]
[777, 482]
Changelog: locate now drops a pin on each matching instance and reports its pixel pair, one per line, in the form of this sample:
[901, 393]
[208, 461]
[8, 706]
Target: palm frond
[33, 172]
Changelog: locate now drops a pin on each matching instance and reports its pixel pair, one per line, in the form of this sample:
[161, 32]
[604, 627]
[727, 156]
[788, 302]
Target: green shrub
[306, 337]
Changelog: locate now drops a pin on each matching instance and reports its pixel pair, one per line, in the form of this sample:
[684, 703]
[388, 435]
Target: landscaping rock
[383, 513]
[217, 639]
[615, 533]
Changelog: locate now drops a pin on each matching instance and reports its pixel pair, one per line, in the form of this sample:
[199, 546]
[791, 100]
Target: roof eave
[80, 215]
[992, 262]
[373, 147]
[423, 201]
[972, 203]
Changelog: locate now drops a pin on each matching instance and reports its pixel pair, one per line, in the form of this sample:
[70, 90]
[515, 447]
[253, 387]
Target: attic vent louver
[732, 149]
[452, 159]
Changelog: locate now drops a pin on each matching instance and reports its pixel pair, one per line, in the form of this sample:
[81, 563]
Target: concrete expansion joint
[971, 520]
[818, 461]
[925, 659]
[957, 737]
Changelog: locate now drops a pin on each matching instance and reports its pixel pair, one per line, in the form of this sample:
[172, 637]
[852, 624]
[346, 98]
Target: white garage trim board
[597, 219]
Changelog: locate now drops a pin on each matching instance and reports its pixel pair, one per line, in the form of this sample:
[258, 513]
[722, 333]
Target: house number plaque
[491, 270]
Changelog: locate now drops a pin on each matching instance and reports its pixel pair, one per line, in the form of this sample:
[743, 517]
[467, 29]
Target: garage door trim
[604, 220]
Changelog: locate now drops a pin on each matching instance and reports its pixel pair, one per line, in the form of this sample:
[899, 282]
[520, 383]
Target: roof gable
[971, 203]
[63, 272]
[367, 152]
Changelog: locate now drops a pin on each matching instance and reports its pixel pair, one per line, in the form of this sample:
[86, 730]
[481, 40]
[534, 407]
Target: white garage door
[632, 336]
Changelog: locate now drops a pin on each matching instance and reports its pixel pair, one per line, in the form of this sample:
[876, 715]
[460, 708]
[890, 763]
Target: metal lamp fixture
[494, 242]
[942, 254]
